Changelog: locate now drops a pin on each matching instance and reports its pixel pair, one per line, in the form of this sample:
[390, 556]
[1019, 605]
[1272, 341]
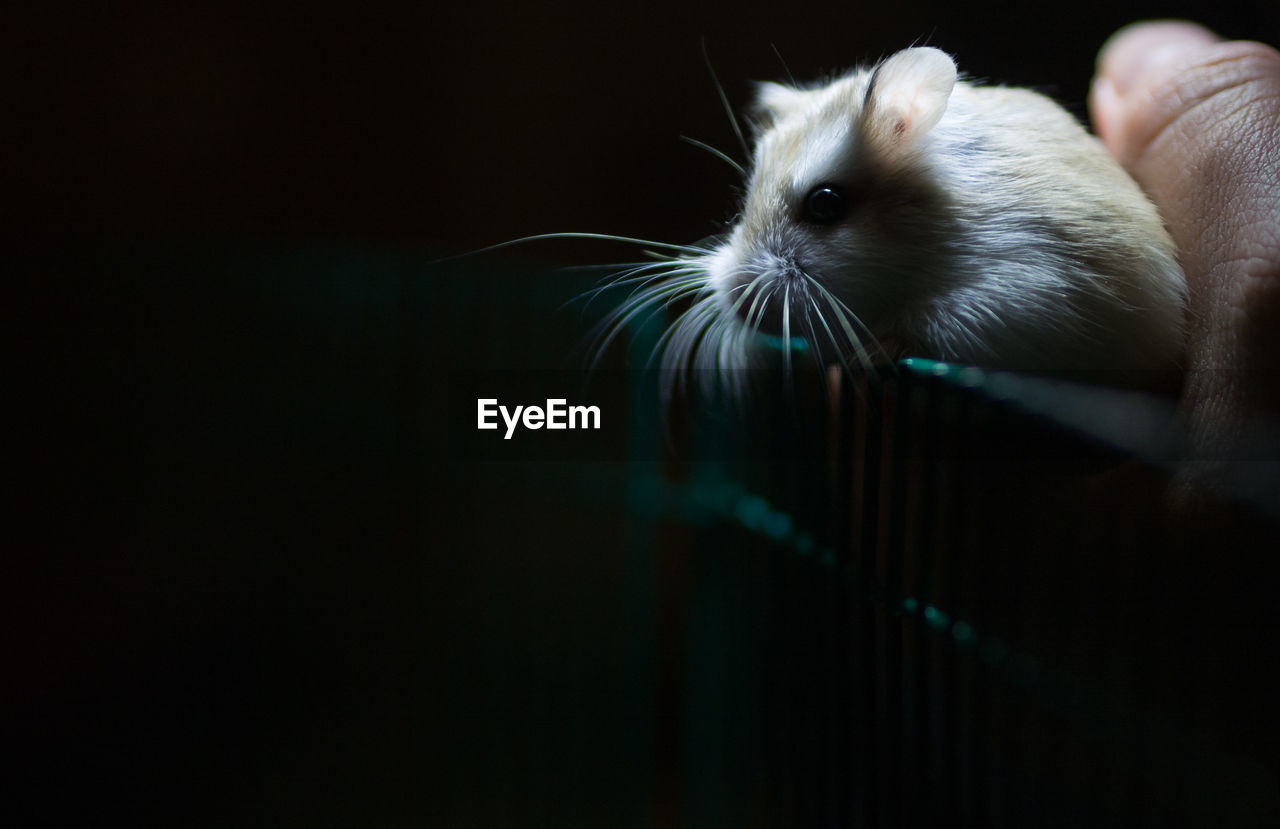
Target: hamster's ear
[907, 95]
[775, 102]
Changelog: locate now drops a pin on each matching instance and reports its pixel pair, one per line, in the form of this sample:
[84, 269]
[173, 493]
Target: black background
[452, 126]
[245, 582]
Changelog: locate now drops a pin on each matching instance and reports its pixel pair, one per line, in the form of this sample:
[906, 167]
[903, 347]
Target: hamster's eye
[825, 204]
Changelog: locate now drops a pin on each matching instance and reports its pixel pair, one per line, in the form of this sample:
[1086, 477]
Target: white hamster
[901, 211]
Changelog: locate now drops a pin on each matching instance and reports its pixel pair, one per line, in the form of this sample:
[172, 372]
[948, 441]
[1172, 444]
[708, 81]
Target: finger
[1128, 55]
[1131, 50]
[1197, 122]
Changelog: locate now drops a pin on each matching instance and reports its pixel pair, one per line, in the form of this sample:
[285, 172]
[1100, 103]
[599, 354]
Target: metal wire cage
[971, 604]
[946, 597]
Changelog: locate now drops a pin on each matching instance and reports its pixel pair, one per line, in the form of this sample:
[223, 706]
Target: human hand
[1196, 121]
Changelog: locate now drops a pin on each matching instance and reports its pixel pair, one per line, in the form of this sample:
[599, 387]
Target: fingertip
[1138, 47]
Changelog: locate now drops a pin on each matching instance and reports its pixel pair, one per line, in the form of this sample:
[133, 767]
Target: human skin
[1196, 121]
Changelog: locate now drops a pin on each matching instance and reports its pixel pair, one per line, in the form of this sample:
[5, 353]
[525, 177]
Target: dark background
[450, 126]
[246, 580]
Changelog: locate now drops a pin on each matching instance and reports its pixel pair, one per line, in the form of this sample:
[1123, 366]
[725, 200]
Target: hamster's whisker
[758, 303]
[702, 327]
[724, 101]
[791, 79]
[648, 297]
[756, 318]
[641, 275]
[674, 344]
[663, 257]
[809, 310]
[843, 315]
[680, 336]
[746, 293]
[709, 337]
[855, 342]
[834, 342]
[730, 359]
[607, 237]
[717, 153]
[625, 269]
[651, 300]
[646, 280]
[850, 334]
[611, 266]
[669, 285]
[786, 330]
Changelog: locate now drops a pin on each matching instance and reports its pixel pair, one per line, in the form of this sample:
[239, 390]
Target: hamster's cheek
[722, 269]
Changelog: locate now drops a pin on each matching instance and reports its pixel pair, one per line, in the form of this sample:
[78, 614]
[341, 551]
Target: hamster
[901, 211]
